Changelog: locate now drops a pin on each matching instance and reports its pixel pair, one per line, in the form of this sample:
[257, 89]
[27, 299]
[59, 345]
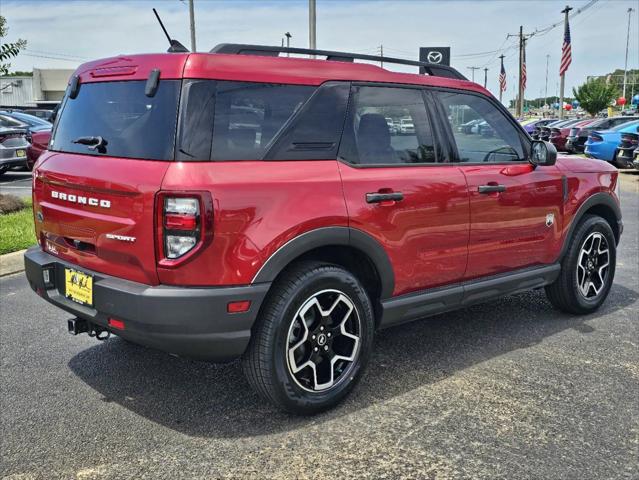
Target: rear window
[131, 124]
[223, 120]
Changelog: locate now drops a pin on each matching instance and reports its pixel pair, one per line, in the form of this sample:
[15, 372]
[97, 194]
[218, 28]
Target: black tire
[620, 164]
[3, 171]
[564, 293]
[266, 362]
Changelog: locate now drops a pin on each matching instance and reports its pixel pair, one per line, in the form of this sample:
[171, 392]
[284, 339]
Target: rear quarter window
[132, 124]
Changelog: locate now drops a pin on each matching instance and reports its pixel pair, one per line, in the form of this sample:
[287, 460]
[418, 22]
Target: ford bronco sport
[239, 204]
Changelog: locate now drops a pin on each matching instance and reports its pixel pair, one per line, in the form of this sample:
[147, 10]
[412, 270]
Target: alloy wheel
[593, 265]
[323, 341]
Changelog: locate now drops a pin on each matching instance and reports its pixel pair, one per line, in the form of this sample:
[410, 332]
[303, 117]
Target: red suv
[238, 204]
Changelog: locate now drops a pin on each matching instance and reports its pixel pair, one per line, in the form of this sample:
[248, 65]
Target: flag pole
[565, 11]
[501, 72]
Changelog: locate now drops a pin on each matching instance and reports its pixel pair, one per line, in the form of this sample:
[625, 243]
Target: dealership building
[45, 88]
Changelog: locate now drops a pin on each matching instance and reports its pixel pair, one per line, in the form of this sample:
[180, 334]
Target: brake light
[596, 138]
[184, 225]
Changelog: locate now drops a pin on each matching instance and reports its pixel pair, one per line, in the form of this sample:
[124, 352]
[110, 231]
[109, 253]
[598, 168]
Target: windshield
[118, 119]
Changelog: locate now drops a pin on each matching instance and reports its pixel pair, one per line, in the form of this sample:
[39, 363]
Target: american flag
[502, 77]
[566, 54]
[523, 70]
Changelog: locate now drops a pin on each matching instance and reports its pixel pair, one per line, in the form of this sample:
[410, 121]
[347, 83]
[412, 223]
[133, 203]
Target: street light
[625, 68]
[288, 41]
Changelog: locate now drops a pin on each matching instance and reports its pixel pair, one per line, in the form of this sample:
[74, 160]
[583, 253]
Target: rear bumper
[190, 322]
[13, 162]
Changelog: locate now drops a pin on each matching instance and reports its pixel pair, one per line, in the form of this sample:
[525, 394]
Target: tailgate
[97, 212]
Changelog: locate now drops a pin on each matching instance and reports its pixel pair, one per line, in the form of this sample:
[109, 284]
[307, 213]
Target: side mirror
[543, 153]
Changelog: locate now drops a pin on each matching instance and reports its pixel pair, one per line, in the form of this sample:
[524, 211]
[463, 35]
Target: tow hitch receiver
[78, 326]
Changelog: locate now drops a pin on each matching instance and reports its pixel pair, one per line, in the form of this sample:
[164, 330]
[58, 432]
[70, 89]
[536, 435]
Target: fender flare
[326, 237]
[599, 198]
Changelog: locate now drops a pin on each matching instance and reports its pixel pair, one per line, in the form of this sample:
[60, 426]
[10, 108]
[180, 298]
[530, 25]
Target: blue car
[602, 144]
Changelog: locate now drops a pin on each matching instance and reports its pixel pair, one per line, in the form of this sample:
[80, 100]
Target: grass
[16, 230]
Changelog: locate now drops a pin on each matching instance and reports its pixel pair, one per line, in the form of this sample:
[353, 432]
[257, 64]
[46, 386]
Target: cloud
[99, 28]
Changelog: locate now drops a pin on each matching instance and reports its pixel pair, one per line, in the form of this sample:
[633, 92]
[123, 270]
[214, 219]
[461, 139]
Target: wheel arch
[353, 249]
[602, 205]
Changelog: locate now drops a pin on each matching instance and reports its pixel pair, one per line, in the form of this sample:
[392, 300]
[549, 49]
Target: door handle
[491, 188]
[379, 197]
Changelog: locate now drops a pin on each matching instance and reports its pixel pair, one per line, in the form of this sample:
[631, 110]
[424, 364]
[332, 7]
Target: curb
[12, 263]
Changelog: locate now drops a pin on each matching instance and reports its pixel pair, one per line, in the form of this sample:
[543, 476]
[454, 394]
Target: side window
[196, 120]
[387, 125]
[248, 116]
[315, 133]
[481, 131]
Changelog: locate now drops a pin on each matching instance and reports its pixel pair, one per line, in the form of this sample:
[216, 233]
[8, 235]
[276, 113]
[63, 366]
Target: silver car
[13, 148]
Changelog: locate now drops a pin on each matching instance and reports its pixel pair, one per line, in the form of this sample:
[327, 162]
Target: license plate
[78, 286]
[21, 153]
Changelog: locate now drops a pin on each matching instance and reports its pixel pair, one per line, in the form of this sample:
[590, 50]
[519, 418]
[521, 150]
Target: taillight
[630, 139]
[595, 138]
[184, 225]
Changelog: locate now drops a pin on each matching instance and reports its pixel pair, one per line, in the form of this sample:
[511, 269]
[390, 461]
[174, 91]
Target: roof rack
[262, 50]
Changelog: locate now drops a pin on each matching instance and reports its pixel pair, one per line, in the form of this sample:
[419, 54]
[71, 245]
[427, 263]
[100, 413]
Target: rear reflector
[238, 307]
[115, 323]
[174, 221]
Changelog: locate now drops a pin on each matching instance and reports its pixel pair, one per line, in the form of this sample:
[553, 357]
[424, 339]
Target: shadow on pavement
[205, 400]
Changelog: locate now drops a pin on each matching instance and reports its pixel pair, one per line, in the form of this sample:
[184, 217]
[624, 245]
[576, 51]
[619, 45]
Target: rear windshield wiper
[94, 143]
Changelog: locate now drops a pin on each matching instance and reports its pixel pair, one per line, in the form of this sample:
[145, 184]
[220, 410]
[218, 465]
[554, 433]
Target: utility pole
[473, 70]
[625, 68]
[288, 42]
[546, 97]
[485, 77]
[381, 54]
[312, 24]
[192, 21]
[519, 108]
[565, 11]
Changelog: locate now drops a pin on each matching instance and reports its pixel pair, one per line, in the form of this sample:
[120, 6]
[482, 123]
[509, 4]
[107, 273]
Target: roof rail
[263, 50]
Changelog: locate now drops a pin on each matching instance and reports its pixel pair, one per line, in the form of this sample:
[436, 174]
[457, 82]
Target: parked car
[38, 142]
[576, 141]
[32, 123]
[468, 127]
[288, 243]
[533, 127]
[626, 148]
[559, 135]
[13, 149]
[406, 126]
[603, 144]
[44, 114]
[392, 126]
[547, 130]
[635, 159]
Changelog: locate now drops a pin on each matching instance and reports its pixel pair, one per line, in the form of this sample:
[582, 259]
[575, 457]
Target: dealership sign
[436, 55]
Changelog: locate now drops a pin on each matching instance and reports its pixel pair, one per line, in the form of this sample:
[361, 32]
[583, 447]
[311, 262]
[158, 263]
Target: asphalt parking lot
[16, 182]
[508, 389]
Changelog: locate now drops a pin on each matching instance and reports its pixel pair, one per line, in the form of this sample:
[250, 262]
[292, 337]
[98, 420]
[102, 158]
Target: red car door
[515, 208]
[397, 192]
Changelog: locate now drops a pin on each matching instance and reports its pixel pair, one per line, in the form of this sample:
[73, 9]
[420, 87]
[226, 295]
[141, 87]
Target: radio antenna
[175, 46]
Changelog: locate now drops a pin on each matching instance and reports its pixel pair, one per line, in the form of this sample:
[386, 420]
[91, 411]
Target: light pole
[192, 22]
[485, 77]
[312, 23]
[625, 68]
[546, 97]
[288, 41]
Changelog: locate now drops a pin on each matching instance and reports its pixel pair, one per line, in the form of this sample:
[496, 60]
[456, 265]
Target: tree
[8, 50]
[595, 95]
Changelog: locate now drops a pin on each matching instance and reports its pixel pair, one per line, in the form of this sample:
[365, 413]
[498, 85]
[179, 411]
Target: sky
[63, 34]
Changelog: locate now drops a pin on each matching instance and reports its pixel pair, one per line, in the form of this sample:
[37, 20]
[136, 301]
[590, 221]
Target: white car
[406, 126]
